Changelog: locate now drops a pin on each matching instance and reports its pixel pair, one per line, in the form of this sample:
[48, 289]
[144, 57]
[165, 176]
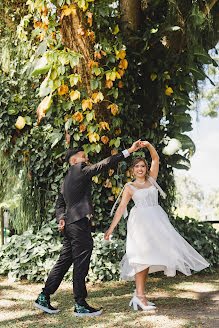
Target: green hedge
[32, 256]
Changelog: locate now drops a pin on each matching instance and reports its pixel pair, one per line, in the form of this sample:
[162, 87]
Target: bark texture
[131, 13]
[76, 37]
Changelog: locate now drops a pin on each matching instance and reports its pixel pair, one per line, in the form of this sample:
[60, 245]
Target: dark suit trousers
[77, 249]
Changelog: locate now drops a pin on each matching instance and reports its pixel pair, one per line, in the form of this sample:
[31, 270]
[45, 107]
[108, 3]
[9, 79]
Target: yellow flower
[82, 127]
[111, 171]
[104, 139]
[95, 179]
[123, 64]
[114, 108]
[121, 54]
[63, 89]
[121, 72]
[107, 183]
[66, 11]
[118, 132]
[78, 116]
[97, 97]
[111, 76]
[120, 84]
[87, 103]
[92, 63]
[104, 126]
[109, 84]
[168, 91]
[43, 107]
[116, 30]
[116, 191]
[20, 123]
[75, 94]
[153, 76]
[93, 137]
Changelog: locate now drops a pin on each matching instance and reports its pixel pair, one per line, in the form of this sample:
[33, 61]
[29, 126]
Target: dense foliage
[73, 73]
[32, 256]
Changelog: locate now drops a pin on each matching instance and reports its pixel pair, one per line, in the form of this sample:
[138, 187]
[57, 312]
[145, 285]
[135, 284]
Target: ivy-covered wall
[77, 73]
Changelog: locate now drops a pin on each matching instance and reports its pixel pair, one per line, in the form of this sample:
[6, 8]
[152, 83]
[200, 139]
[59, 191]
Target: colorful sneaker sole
[92, 314]
[45, 309]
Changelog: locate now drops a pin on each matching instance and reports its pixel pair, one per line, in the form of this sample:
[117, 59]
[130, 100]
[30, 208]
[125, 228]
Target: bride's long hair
[135, 161]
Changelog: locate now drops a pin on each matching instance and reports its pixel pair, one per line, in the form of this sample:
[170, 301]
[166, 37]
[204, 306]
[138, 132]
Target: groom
[74, 210]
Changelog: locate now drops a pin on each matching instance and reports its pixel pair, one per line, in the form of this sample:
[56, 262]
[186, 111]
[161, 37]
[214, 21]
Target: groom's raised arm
[91, 170]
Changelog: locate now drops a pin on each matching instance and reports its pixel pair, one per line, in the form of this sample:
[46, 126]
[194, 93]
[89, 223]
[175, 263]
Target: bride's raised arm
[154, 169]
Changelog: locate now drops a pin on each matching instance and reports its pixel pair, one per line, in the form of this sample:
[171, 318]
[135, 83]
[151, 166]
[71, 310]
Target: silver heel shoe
[137, 302]
[130, 303]
[149, 303]
[135, 306]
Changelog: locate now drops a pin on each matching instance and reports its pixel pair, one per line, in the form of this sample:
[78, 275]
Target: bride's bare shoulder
[129, 188]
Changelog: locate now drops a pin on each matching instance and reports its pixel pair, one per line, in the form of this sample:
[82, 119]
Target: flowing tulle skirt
[153, 242]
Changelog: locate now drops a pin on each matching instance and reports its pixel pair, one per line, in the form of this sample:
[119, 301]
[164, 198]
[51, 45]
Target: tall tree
[102, 73]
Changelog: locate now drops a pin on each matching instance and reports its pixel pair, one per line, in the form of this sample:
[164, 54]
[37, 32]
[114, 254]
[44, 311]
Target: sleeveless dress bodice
[145, 197]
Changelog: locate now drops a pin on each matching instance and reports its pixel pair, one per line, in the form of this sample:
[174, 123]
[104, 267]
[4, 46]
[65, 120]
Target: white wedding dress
[153, 242]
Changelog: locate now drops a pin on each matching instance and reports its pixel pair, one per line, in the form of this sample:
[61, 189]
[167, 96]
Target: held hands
[61, 225]
[137, 145]
[144, 144]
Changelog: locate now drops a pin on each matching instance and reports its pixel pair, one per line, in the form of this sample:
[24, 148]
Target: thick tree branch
[208, 7]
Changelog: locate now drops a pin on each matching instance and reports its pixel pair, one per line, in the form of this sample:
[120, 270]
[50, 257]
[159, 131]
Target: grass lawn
[181, 301]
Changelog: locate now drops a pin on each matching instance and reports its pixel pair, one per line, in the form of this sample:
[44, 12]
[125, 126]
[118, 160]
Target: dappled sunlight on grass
[182, 302]
[198, 287]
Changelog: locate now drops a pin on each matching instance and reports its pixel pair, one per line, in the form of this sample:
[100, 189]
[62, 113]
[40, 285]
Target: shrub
[32, 256]
[200, 235]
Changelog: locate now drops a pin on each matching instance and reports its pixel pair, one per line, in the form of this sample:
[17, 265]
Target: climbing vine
[85, 75]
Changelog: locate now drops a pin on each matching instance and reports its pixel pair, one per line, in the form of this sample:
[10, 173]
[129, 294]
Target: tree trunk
[2, 225]
[131, 13]
[77, 37]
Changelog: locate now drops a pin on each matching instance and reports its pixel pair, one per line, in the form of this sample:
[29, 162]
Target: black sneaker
[43, 303]
[86, 310]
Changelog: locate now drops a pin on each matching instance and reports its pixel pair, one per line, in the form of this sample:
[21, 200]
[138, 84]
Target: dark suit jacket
[74, 201]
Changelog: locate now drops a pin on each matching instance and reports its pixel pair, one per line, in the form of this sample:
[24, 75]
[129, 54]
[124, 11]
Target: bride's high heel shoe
[135, 301]
[149, 303]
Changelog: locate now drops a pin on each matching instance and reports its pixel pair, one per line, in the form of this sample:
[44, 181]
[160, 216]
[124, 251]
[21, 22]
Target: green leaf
[112, 141]
[76, 136]
[117, 142]
[28, 120]
[172, 28]
[186, 142]
[74, 59]
[94, 84]
[13, 110]
[56, 137]
[68, 123]
[197, 73]
[44, 89]
[41, 67]
[115, 93]
[89, 116]
[98, 148]
[74, 78]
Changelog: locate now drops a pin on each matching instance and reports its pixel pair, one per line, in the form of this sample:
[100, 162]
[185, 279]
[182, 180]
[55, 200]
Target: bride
[152, 242]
